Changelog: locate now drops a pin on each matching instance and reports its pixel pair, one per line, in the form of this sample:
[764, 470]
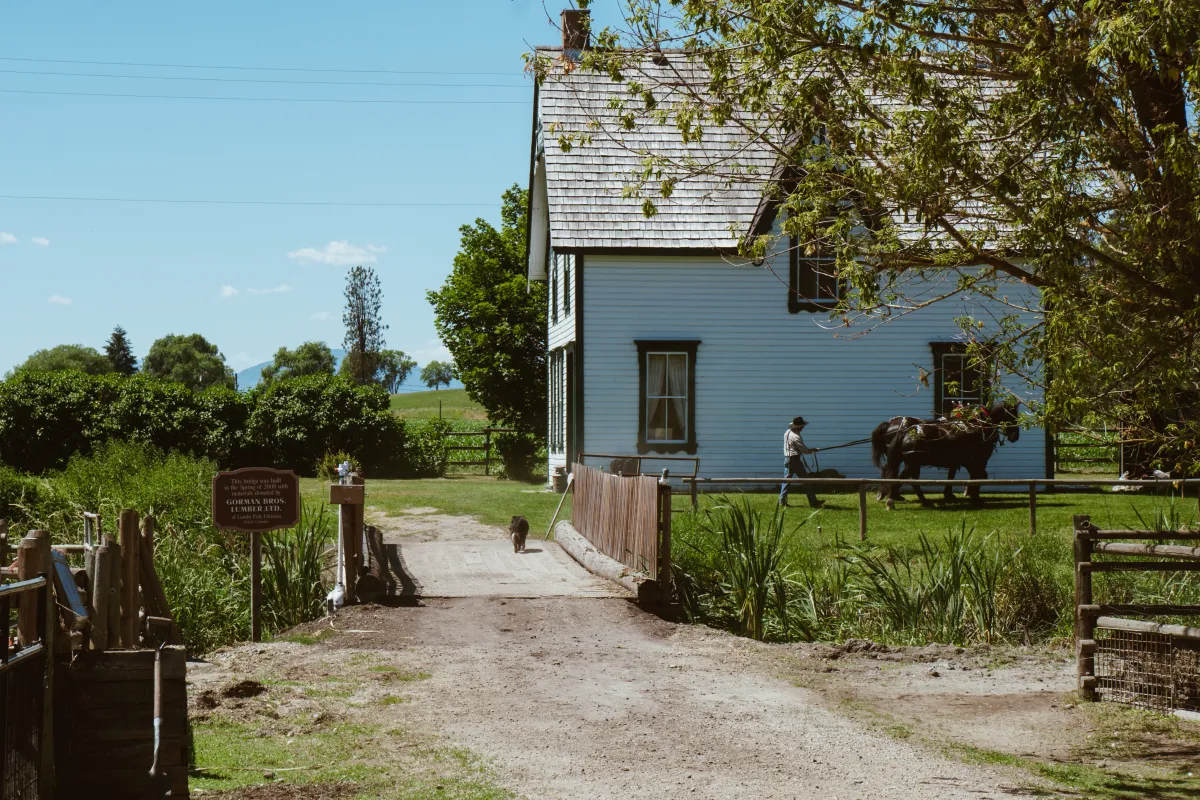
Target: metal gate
[27, 765]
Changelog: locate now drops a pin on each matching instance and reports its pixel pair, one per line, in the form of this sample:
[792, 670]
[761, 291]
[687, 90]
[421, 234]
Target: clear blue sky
[249, 277]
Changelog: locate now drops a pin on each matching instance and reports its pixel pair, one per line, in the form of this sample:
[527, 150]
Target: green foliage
[364, 325]
[519, 455]
[426, 448]
[310, 358]
[119, 352]
[66, 357]
[327, 468]
[296, 422]
[294, 565]
[1057, 148]
[18, 493]
[493, 320]
[394, 368]
[46, 418]
[436, 373]
[190, 360]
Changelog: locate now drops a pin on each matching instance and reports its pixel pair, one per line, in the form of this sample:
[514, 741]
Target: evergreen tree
[364, 324]
[120, 352]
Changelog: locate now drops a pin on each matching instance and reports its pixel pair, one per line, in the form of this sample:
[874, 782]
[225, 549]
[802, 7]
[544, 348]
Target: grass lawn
[489, 500]
[424, 405]
[495, 502]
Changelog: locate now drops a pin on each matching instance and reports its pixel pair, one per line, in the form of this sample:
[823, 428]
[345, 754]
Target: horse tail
[879, 445]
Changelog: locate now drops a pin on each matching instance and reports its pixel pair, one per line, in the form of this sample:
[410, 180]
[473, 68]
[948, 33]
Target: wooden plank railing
[624, 518]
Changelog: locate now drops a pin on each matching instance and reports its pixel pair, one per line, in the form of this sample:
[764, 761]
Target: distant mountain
[248, 378]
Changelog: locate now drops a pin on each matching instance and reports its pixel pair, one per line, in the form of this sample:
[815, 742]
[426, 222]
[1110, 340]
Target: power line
[257, 69]
[263, 80]
[174, 201]
[271, 99]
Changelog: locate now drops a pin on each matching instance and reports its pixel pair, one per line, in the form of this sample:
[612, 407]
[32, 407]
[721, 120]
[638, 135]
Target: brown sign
[256, 499]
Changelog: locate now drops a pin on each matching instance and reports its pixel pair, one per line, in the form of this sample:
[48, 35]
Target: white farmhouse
[662, 342]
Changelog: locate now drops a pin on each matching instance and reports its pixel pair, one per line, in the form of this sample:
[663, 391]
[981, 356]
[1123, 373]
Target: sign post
[255, 500]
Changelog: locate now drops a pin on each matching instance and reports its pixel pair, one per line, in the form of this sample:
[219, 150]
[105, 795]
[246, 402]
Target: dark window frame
[798, 303]
[566, 283]
[942, 406]
[684, 346]
[554, 289]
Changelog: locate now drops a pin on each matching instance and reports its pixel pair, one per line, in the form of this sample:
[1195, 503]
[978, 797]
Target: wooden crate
[104, 723]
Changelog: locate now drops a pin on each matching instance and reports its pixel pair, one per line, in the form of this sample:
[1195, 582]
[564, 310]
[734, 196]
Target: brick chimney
[576, 28]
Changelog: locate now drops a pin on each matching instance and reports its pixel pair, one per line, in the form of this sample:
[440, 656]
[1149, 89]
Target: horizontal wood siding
[758, 366]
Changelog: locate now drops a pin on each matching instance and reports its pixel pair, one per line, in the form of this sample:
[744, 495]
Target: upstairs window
[557, 388]
[568, 262]
[667, 396]
[814, 283]
[554, 289]
[956, 378]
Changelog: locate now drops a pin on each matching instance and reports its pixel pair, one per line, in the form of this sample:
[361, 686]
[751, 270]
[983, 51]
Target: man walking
[794, 451]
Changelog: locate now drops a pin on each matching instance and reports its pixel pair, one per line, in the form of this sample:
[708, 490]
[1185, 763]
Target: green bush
[427, 453]
[46, 418]
[18, 493]
[518, 455]
[327, 467]
[296, 422]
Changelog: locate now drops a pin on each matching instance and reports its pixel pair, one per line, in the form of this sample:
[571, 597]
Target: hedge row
[45, 418]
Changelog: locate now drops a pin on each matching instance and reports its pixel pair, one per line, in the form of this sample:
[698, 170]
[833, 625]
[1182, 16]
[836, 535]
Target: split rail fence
[485, 448]
[863, 485]
[1138, 662]
[627, 519]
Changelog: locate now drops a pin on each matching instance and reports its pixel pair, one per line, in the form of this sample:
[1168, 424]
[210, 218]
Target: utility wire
[257, 69]
[173, 201]
[263, 80]
[271, 99]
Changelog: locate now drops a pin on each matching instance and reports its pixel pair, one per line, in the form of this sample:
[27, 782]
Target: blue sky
[249, 277]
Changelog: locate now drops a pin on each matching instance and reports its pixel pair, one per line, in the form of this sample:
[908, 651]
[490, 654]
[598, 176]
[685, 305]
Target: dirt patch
[244, 689]
[287, 792]
[425, 525]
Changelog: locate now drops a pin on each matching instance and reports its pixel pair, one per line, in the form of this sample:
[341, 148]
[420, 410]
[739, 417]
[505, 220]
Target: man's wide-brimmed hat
[799, 421]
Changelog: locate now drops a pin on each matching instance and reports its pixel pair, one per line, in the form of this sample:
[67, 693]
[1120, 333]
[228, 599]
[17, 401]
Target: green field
[454, 404]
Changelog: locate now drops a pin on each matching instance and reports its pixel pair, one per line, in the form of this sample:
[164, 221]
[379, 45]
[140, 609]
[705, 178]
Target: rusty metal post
[862, 512]
[255, 586]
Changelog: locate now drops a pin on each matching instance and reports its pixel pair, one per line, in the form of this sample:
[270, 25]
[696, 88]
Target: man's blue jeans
[794, 468]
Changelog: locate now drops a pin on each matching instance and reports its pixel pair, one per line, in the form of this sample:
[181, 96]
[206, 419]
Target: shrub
[518, 455]
[295, 422]
[327, 467]
[46, 417]
[427, 453]
[18, 493]
[294, 566]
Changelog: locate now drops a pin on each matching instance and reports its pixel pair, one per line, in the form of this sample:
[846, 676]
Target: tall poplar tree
[364, 324]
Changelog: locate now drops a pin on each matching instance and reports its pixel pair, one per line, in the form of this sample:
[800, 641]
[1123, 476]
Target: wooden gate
[1139, 662]
[627, 519]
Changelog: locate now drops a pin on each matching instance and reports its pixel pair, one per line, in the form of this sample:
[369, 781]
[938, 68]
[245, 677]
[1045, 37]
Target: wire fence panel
[1154, 671]
[21, 688]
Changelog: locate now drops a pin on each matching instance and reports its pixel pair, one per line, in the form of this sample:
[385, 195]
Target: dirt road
[588, 697]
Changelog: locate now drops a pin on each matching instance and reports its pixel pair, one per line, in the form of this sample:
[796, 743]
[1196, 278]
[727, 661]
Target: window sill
[812, 306]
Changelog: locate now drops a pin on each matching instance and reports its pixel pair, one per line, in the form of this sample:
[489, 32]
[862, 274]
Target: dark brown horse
[902, 445]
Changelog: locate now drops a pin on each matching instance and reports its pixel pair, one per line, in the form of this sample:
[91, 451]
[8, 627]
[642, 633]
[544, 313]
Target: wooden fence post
[487, 451]
[130, 550]
[664, 538]
[1033, 509]
[49, 625]
[101, 595]
[114, 594]
[33, 559]
[1085, 622]
[862, 512]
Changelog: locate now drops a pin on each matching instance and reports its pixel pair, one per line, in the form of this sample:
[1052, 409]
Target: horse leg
[973, 492]
[914, 473]
[948, 489]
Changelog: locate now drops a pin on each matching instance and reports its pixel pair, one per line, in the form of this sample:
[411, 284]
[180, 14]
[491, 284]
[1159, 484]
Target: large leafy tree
[1053, 142]
[188, 359]
[435, 374]
[119, 352]
[66, 357]
[363, 318]
[310, 358]
[394, 368]
[494, 322]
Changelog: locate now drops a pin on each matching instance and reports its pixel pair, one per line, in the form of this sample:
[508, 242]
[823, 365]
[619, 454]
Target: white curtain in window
[656, 390]
[678, 389]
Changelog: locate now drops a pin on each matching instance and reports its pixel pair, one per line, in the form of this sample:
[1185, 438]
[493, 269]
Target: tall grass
[204, 571]
[295, 565]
